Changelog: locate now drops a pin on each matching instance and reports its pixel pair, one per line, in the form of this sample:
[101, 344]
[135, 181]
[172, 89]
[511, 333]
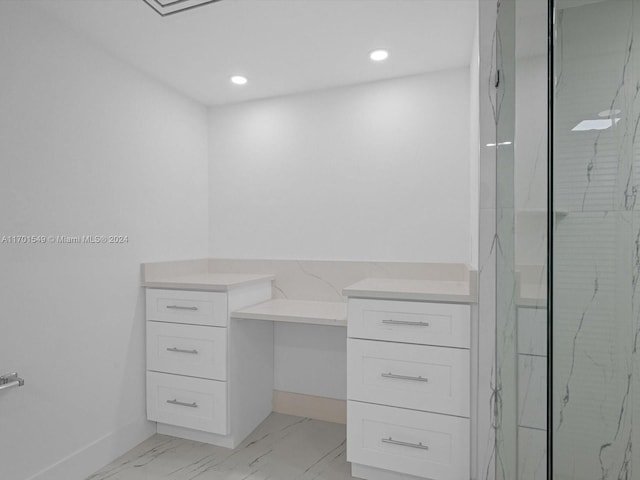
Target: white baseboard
[319, 408]
[82, 463]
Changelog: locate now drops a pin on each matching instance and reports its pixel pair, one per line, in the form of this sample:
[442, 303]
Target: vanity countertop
[212, 282]
[297, 311]
[410, 289]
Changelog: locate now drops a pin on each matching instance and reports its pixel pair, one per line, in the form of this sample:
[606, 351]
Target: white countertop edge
[298, 311]
[290, 319]
[414, 290]
[209, 286]
[410, 296]
[186, 286]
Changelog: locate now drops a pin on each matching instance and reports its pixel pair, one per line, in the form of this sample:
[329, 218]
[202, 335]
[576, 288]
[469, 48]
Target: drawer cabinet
[187, 402]
[408, 389]
[190, 307]
[187, 350]
[203, 380]
[414, 443]
[410, 376]
[410, 322]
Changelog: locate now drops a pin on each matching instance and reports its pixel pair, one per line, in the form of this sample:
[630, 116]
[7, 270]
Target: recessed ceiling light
[239, 80]
[379, 55]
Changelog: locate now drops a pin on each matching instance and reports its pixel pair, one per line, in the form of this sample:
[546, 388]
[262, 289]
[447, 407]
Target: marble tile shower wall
[597, 243]
[532, 393]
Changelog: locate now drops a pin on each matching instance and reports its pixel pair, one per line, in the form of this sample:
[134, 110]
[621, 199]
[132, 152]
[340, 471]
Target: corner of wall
[84, 462]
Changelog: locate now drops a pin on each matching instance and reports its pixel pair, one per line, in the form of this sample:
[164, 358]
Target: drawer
[183, 306]
[434, 379]
[187, 402]
[187, 350]
[406, 441]
[410, 322]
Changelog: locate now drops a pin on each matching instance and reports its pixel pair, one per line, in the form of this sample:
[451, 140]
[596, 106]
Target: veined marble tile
[487, 174]
[532, 454]
[597, 80]
[532, 331]
[593, 345]
[635, 283]
[506, 345]
[531, 238]
[530, 140]
[283, 447]
[486, 394]
[532, 391]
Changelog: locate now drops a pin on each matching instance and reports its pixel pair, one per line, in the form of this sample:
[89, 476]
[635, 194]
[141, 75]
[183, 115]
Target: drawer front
[415, 443]
[187, 402]
[183, 306]
[434, 379]
[423, 323]
[187, 350]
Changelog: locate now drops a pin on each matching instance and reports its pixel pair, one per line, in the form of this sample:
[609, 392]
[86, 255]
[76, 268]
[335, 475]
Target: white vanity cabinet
[408, 389]
[209, 378]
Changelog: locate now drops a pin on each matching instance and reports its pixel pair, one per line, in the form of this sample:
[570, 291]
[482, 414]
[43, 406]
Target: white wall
[310, 359]
[371, 172]
[376, 172]
[90, 146]
[87, 146]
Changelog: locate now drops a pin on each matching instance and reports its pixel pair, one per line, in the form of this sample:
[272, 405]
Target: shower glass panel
[506, 391]
[596, 241]
[530, 202]
[520, 408]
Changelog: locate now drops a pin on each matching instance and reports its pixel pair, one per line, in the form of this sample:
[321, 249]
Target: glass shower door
[518, 97]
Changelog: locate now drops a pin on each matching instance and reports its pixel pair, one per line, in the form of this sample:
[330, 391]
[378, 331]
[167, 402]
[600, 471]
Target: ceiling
[282, 46]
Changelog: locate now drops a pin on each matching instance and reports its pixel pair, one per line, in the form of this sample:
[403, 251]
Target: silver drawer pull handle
[179, 307]
[405, 444]
[180, 350]
[406, 322]
[10, 380]
[182, 404]
[404, 377]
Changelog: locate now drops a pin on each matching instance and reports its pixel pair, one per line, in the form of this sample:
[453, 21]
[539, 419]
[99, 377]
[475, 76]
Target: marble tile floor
[283, 447]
